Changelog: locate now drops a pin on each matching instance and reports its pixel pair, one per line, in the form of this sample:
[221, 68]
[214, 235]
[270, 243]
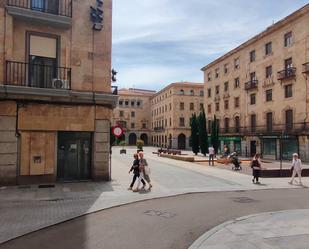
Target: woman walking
[297, 168]
[135, 169]
[144, 164]
[256, 168]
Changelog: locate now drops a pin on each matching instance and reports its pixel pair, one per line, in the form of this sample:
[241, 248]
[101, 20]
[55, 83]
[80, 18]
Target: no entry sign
[117, 131]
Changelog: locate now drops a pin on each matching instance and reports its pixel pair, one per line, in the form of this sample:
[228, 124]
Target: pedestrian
[144, 164]
[135, 169]
[211, 154]
[256, 166]
[296, 168]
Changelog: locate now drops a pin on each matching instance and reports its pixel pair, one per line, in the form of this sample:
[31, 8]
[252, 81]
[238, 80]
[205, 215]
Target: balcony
[286, 74]
[37, 75]
[251, 85]
[50, 12]
[159, 129]
[306, 68]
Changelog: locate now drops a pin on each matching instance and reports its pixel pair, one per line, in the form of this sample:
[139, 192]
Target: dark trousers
[135, 176]
[256, 174]
[211, 159]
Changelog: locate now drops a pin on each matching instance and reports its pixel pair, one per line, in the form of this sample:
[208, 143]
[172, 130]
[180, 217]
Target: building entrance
[74, 156]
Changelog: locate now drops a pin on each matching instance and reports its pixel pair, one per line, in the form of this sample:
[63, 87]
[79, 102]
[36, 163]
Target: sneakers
[290, 182]
[150, 186]
[135, 190]
[130, 188]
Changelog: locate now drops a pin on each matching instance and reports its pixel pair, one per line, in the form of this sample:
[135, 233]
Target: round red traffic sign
[117, 131]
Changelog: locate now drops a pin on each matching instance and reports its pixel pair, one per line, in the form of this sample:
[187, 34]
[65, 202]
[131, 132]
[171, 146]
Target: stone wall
[8, 143]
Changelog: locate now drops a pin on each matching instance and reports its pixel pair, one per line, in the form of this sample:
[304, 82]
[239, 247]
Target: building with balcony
[133, 115]
[267, 81]
[171, 112]
[55, 90]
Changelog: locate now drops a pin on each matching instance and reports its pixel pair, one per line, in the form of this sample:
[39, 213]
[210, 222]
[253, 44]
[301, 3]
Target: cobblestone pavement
[29, 208]
[274, 230]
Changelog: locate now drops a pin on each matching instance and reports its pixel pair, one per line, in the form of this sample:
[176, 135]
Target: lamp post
[281, 137]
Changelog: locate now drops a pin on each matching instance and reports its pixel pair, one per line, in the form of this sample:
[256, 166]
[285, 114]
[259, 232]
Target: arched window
[182, 92]
[192, 92]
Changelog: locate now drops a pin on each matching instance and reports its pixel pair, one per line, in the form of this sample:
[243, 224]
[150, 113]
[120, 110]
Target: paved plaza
[28, 208]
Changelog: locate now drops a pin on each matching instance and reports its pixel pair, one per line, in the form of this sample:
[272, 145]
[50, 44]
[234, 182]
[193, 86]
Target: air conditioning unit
[60, 84]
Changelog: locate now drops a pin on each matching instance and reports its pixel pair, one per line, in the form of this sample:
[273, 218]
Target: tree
[215, 134]
[194, 134]
[202, 132]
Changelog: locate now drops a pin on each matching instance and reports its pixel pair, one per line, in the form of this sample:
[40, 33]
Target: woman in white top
[297, 167]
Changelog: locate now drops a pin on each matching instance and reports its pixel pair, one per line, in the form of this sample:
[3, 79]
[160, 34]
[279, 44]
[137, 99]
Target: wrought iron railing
[55, 7]
[252, 84]
[275, 129]
[287, 73]
[37, 75]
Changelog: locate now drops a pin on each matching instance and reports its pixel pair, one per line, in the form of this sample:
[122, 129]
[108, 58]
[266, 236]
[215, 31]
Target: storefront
[289, 147]
[269, 147]
[234, 143]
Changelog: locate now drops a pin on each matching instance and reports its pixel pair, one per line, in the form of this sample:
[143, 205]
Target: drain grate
[161, 214]
[243, 200]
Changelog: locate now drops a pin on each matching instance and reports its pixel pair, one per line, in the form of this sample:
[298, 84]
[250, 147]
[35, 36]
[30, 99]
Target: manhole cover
[162, 214]
[243, 200]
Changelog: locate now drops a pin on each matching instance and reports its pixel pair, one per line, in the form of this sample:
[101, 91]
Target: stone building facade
[259, 91]
[133, 115]
[171, 110]
[55, 90]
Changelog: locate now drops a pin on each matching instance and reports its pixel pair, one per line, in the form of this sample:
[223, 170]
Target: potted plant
[139, 145]
[123, 150]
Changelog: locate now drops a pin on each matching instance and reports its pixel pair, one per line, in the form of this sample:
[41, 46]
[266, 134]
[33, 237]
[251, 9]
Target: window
[201, 93]
[182, 106]
[132, 125]
[144, 126]
[226, 86]
[252, 76]
[170, 106]
[289, 119]
[209, 76]
[132, 103]
[209, 93]
[252, 56]
[120, 102]
[269, 121]
[126, 103]
[252, 99]
[191, 106]
[269, 71]
[226, 68]
[269, 95]
[236, 83]
[288, 91]
[217, 73]
[226, 104]
[226, 125]
[166, 108]
[217, 107]
[182, 122]
[209, 126]
[138, 103]
[182, 92]
[201, 106]
[288, 39]
[170, 122]
[268, 48]
[191, 92]
[132, 114]
[253, 122]
[288, 63]
[236, 102]
[237, 63]
[121, 113]
[217, 90]
[237, 124]
[209, 108]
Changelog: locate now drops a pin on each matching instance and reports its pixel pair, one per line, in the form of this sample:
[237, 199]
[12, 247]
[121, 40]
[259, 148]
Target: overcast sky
[157, 42]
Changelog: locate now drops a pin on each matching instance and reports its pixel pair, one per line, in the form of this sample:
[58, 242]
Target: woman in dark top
[256, 168]
[135, 169]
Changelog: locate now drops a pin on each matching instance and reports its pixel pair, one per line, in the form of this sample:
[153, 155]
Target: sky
[158, 42]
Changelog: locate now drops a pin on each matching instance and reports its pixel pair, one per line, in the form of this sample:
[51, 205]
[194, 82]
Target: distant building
[259, 91]
[133, 115]
[55, 91]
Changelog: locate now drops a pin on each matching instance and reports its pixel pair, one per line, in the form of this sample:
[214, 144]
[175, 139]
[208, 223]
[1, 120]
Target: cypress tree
[203, 136]
[215, 134]
[194, 134]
